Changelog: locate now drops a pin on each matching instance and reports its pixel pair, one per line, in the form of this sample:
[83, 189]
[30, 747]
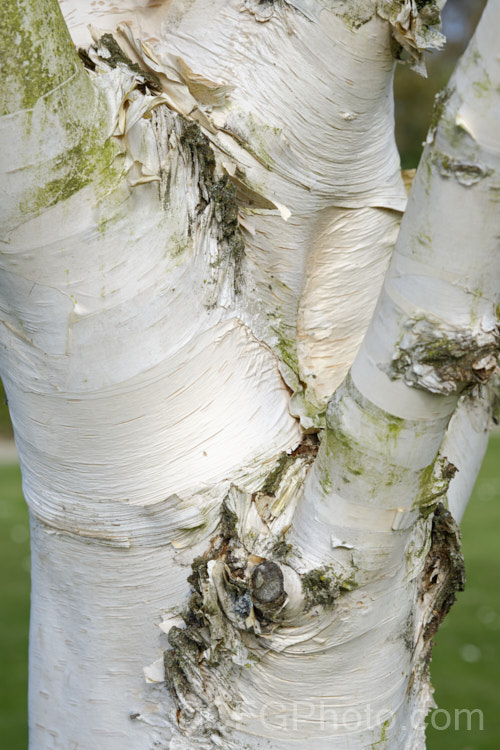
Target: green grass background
[5, 425]
[14, 610]
[466, 661]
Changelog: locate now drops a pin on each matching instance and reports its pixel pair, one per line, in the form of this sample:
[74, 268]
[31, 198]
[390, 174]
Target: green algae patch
[346, 459]
[36, 51]
[62, 121]
[440, 101]
[321, 587]
[74, 170]
[355, 13]
[286, 346]
[434, 484]
[394, 425]
[382, 742]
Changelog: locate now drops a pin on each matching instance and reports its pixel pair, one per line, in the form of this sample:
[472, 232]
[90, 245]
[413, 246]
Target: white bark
[158, 371]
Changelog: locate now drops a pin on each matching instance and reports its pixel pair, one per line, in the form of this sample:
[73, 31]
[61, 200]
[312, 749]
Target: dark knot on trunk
[268, 591]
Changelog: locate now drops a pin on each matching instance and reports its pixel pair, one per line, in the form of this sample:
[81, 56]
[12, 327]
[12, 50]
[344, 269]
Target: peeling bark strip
[436, 358]
[217, 209]
[416, 26]
[111, 51]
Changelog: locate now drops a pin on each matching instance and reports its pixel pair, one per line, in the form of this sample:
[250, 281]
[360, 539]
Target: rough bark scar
[238, 596]
[444, 360]
[443, 575]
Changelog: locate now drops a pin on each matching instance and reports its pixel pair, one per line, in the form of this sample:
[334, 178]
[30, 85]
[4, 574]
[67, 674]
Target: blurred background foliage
[5, 426]
[466, 662]
[414, 95]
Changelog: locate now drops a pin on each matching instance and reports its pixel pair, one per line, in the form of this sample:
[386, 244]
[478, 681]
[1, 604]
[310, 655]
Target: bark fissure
[434, 357]
[243, 591]
[442, 577]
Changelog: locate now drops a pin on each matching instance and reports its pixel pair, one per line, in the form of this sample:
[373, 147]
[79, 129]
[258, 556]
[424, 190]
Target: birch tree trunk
[244, 495]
